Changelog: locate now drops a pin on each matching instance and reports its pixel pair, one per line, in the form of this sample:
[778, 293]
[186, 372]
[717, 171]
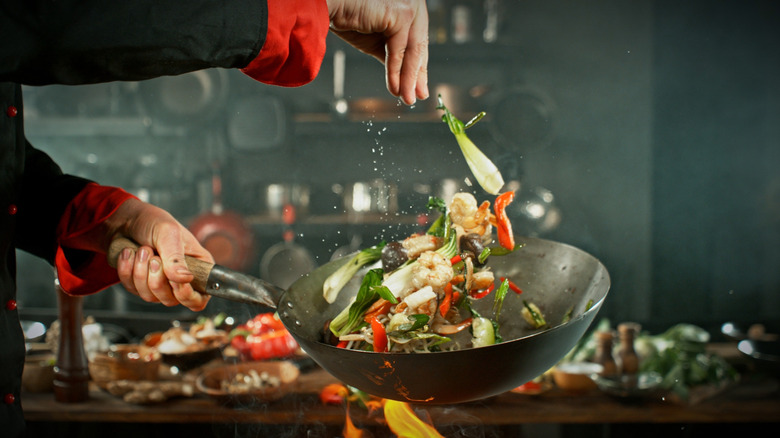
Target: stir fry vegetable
[487, 174]
[420, 299]
[336, 281]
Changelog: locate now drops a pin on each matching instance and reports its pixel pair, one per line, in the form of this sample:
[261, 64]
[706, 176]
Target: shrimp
[432, 269]
[468, 218]
[482, 280]
[477, 280]
[416, 245]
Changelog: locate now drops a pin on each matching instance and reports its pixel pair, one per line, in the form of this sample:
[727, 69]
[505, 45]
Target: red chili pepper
[456, 259]
[446, 302]
[342, 344]
[505, 236]
[380, 335]
[512, 286]
[334, 394]
[477, 294]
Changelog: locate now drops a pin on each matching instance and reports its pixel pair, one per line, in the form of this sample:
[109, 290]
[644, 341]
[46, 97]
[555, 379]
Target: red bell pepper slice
[505, 236]
[380, 307]
[512, 286]
[380, 335]
[477, 294]
[446, 302]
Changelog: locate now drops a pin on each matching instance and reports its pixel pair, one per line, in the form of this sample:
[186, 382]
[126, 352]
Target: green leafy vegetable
[499, 298]
[352, 316]
[336, 281]
[416, 322]
[484, 255]
[487, 174]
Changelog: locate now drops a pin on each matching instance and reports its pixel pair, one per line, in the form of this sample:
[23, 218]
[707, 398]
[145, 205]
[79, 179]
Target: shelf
[338, 219]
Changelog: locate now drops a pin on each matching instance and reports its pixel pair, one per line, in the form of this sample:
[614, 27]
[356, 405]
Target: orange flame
[399, 416]
[404, 423]
[350, 430]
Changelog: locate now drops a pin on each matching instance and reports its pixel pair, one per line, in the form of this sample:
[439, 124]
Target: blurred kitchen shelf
[337, 219]
[362, 117]
[98, 126]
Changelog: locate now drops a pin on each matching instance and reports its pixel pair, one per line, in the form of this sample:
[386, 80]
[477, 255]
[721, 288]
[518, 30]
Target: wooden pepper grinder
[71, 373]
[629, 360]
[604, 342]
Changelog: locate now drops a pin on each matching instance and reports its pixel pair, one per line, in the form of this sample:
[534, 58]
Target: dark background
[653, 125]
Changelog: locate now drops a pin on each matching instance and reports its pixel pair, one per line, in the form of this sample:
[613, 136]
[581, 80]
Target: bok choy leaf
[336, 281]
[487, 174]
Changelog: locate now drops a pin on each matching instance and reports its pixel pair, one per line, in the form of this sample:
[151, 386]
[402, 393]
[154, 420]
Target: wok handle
[199, 268]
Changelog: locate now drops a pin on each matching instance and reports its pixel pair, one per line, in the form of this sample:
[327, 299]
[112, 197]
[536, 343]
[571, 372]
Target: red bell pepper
[512, 285]
[380, 307]
[334, 394]
[446, 302]
[477, 294]
[380, 335]
[505, 236]
[263, 337]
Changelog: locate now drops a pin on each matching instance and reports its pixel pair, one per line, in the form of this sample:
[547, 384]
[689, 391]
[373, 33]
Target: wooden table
[750, 402]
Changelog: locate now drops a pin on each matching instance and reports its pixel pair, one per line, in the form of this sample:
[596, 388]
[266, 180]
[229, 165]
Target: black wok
[560, 279]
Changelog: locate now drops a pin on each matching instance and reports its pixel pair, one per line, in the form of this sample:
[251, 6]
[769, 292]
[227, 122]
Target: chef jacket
[69, 42]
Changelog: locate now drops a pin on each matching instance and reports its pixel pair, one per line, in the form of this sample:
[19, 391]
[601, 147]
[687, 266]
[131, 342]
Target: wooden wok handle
[199, 268]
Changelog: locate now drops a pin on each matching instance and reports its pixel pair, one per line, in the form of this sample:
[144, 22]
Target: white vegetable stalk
[420, 297]
[486, 173]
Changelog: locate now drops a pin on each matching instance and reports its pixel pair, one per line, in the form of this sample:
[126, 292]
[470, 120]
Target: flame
[399, 416]
[350, 430]
[404, 423]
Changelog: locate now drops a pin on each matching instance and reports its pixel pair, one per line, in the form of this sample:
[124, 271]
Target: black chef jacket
[81, 42]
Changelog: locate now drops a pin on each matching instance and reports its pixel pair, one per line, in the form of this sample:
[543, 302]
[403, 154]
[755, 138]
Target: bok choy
[336, 281]
[487, 174]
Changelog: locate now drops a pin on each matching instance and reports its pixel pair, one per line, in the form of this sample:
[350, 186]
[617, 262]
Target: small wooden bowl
[210, 382]
[38, 374]
[576, 376]
[125, 362]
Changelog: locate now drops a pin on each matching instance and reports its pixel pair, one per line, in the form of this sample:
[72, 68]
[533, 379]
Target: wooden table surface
[756, 401]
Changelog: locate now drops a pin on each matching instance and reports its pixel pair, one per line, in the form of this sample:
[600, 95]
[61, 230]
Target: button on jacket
[89, 41]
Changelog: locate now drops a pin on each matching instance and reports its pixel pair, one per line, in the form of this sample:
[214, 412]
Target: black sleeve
[45, 193]
[89, 41]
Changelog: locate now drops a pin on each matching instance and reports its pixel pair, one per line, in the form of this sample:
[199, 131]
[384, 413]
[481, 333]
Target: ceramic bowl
[576, 376]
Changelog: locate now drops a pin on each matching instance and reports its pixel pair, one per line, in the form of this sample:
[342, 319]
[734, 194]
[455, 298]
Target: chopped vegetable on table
[263, 337]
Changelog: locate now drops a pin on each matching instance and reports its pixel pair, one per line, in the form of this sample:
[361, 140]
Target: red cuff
[294, 44]
[92, 206]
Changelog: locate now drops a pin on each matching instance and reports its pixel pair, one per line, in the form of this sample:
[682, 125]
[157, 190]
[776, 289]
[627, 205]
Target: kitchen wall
[644, 132]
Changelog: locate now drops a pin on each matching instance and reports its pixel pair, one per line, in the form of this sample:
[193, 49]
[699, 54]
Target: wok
[560, 279]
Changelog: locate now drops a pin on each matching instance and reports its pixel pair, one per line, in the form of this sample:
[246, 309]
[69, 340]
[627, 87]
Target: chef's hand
[393, 31]
[157, 271]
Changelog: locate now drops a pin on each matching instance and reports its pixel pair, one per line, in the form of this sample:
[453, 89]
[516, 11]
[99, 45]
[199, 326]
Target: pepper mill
[71, 373]
[629, 360]
[603, 355]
